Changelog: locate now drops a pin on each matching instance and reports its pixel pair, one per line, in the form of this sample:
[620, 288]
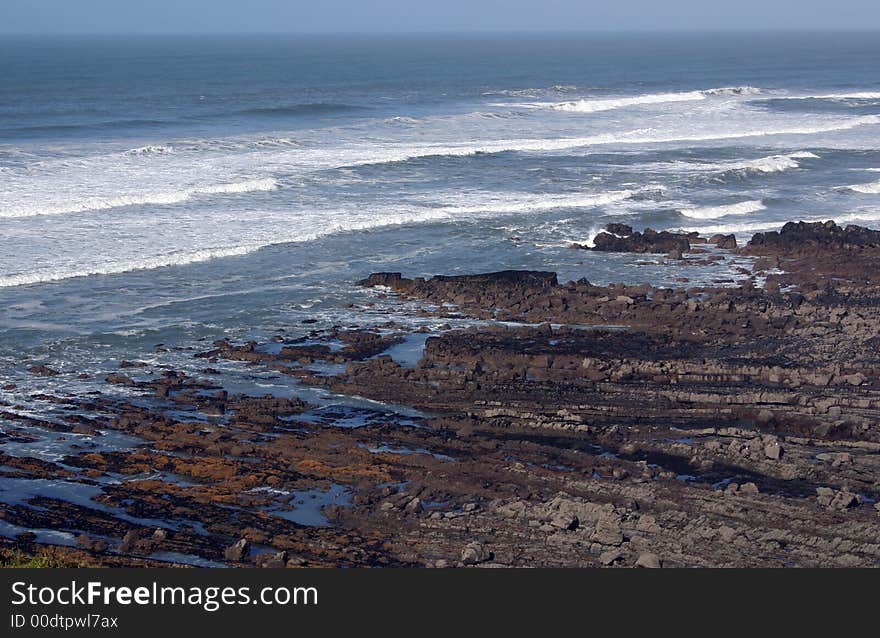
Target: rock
[773, 451]
[610, 557]
[387, 279]
[649, 241]
[564, 521]
[748, 488]
[43, 371]
[274, 561]
[727, 242]
[836, 458]
[474, 553]
[414, 506]
[97, 545]
[128, 541]
[648, 560]
[238, 551]
[836, 499]
[119, 379]
[856, 379]
[608, 531]
[647, 524]
[804, 239]
[621, 230]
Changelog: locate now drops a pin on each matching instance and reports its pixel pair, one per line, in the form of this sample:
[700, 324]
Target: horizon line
[608, 31]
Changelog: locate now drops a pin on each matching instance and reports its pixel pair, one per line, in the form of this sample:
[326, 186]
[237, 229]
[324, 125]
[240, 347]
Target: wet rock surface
[560, 424]
[620, 238]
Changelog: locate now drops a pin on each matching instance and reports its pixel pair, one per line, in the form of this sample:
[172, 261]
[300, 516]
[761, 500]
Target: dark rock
[805, 238]
[43, 371]
[238, 551]
[649, 241]
[621, 230]
[527, 278]
[727, 242]
[119, 379]
[387, 279]
[475, 553]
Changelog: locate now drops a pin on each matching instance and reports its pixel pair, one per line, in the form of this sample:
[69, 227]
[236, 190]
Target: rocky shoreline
[569, 424]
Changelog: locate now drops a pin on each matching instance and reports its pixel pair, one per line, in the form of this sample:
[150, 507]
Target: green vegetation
[42, 558]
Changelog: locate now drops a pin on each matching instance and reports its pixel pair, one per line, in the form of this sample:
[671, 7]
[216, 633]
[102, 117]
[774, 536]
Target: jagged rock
[773, 451]
[608, 531]
[568, 522]
[836, 499]
[727, 242]
[474, 553]
[803, 238]
[610, 556]
[649, 560]
[649, 241]
[238, 551]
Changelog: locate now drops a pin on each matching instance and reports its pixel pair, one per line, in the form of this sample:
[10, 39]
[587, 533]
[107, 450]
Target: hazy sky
[236, 16]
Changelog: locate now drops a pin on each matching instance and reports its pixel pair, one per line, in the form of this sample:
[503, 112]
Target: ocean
[176, 190]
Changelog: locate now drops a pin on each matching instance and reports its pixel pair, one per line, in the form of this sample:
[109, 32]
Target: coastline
[570, 424]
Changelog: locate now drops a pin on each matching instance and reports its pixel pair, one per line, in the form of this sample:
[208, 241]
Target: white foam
[113, 267]
[151, 150]
[596, 105]
[734, 91]
[724, 229]
[872, 188]
[503, 203]
[637, 136]
[774, 163]
[771, 164]
[158, 198]
[288, 233]
[713, 212]
[858, 95]
[766, 225]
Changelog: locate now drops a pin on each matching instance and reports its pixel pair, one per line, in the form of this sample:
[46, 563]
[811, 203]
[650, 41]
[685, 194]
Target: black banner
[151, 602]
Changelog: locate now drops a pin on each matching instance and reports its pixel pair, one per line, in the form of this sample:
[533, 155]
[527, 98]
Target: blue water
[177, 189]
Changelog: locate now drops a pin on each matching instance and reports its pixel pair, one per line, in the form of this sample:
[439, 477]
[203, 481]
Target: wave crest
[158, 198]
[713, 212]
[871, 188]
[595, 105]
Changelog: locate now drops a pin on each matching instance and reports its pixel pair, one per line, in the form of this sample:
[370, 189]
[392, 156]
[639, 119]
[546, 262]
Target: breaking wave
[151, 150]
[158, 198]
[595, 105]
[638, 136]
[541, 202]
[713, 212]
[871, 188]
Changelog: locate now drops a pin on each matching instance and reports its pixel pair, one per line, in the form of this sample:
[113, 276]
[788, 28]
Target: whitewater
[190, 180]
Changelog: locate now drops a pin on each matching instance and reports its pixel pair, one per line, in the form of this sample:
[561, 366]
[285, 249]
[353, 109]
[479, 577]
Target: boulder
[238, 551]
[474, 553]
[649, 560]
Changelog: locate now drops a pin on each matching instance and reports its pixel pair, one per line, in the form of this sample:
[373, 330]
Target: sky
[382, 16]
